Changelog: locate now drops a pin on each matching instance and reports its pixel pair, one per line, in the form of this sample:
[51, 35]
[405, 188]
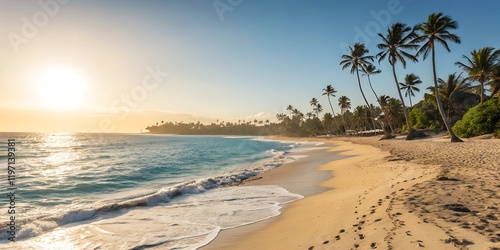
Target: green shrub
[482, 119]
[425, 116]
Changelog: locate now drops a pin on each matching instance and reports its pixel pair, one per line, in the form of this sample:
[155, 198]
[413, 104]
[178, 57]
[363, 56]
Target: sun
[61, 88]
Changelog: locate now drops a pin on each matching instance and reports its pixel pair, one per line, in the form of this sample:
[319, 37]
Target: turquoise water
[72, 181]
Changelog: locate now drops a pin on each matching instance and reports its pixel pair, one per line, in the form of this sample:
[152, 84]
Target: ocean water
[118, 191]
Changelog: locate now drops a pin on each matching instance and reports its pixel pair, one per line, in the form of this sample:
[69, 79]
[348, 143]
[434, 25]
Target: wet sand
[301, 177]
[392, 194]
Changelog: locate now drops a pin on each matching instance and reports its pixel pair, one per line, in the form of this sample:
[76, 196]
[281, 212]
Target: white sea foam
[188, 222]
[305, 149]
[63, 217]
[295, 156]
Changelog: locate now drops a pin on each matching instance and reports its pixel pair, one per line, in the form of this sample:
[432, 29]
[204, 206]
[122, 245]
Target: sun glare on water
[62, 88]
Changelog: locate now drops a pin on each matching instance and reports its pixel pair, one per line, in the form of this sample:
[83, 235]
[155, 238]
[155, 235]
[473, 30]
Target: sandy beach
[363, 193]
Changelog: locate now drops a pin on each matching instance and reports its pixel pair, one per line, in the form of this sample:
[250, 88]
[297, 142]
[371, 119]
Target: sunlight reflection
[61, 156]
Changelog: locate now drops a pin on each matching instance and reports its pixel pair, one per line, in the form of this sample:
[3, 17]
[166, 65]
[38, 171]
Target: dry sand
[392, 194]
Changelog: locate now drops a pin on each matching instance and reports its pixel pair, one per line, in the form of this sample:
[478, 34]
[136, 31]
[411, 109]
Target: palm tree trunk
[378, 101]
[364, 97]
[353, 125]
[388, 117]
[481, 83]
[345, 124]
[390, 124]
[411, 131]
[454, 138]
[333, 112]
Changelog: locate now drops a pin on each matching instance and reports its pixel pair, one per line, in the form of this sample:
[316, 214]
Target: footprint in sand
[420, 243]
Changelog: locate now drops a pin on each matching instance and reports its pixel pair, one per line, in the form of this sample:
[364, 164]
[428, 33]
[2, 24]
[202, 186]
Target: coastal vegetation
[465, 103]
[481, 119]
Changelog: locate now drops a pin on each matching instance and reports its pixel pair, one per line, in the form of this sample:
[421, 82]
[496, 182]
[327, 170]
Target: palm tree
[290, 108]
[313, 102]
[357, 60]
[368, 71]
[280, 117]
[394, 108]
[330, 91]
[409, 86]
[327, 120]
[437, 30]
[455, 95]
[318, 109]
[300, 115]
[399, 38]
[481, 65]
[362, 116]
[383, 101]
[372, 70]
[345, 105]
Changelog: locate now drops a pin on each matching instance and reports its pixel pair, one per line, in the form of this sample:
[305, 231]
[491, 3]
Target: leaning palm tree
[409, 85]
[437, 30]
[368, 71]
[481, 65]
[330, 91]
[394, 47]
[357, 60]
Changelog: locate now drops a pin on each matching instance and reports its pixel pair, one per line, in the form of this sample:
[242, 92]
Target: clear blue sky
[261, 57]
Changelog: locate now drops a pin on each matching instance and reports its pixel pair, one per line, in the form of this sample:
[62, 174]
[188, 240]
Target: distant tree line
[448, 101]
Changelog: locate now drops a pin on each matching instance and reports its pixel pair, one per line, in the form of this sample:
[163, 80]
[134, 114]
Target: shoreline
[365, 205]
[301, 176]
